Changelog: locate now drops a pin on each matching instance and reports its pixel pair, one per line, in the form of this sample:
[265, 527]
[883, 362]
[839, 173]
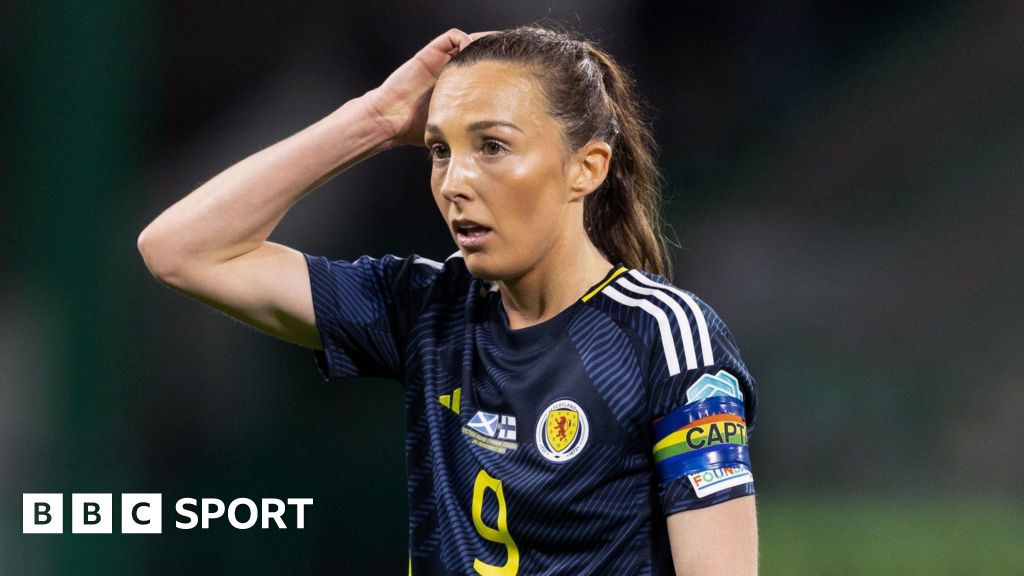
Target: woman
[569, 411]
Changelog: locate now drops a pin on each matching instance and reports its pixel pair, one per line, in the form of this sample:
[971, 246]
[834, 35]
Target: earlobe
[592, 162]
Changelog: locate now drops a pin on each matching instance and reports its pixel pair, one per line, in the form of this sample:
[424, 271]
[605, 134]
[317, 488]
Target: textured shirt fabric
[554, 449]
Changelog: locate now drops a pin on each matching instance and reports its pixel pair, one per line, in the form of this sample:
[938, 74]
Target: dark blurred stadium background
[844, 180]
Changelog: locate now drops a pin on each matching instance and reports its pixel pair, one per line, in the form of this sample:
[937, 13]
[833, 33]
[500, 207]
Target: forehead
[488, 91]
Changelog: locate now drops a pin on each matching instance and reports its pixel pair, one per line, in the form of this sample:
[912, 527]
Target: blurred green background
[844, 181]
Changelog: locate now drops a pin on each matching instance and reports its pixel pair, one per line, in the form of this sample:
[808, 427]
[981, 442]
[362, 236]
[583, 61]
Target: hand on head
[400, 103]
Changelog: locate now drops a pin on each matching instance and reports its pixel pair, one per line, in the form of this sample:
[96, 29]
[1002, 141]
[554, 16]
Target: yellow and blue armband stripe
[703, 435]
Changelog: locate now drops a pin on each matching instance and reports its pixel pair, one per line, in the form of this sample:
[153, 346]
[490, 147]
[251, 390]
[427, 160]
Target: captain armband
[706, 441]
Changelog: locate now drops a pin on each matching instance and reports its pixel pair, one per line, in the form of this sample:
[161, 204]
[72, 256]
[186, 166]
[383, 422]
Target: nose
[456, 182]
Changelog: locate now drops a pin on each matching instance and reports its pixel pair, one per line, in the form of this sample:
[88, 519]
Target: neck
[554, 284]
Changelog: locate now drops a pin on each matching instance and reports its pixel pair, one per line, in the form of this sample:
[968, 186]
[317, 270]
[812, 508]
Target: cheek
[536, 194]
[535, 179]
[435, 191]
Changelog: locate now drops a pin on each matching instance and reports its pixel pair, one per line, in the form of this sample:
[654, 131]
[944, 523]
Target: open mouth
[471, 235]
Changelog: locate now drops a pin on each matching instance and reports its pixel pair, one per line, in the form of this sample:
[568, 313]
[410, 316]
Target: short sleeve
[364, 309]
[702, 415]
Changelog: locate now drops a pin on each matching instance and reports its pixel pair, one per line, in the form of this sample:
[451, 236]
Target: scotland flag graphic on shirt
[485, 423]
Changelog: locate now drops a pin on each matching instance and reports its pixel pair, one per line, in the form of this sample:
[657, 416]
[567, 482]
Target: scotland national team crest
[562, 431]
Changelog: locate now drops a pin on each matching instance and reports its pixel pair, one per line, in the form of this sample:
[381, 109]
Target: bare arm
[717, 540]
[212, 245]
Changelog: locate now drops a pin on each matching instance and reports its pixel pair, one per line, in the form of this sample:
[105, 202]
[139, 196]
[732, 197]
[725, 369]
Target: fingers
[474, 36]
[451, 42]
[454, 41]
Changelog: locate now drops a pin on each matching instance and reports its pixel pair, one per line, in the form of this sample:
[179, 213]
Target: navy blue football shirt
[554, 449]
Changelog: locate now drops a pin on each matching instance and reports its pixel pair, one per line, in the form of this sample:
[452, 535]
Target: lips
[469, 233]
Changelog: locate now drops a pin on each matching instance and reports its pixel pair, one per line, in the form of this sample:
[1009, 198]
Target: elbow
[159, 255]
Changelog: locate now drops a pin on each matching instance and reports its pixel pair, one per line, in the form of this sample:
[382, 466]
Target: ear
[589, 167]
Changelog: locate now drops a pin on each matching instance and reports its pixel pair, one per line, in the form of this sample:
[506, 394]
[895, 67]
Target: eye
[493, 148]
[438, 151]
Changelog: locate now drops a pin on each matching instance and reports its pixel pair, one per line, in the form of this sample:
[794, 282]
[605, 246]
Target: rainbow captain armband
[705, 435]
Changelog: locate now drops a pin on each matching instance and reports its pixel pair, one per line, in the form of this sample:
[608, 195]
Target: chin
[488, 267]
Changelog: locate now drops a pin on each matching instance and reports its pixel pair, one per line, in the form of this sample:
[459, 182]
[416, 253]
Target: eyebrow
[477, 126]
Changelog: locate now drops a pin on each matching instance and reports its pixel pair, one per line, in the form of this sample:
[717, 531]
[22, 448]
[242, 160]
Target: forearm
[212, 245]
[720, 539]
[235, 212]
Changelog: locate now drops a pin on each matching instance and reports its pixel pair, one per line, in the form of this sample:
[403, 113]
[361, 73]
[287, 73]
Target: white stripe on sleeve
[668, 344]
[433, 264]
[698, 315]
[683, 321]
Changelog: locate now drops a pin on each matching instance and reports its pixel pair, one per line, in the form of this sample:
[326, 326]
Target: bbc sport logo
[143, 513]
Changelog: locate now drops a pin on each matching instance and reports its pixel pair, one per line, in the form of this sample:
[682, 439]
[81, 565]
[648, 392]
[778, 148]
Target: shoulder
[690, 352]
[447, 277]
[390, 274]
[675, 323]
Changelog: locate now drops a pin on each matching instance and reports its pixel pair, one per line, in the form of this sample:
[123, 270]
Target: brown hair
[593, 98]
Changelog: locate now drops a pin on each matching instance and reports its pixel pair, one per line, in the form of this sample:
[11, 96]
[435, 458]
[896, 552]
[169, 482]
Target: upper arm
[267, 288]
[364, 310]
[720, 539]
[702, 398]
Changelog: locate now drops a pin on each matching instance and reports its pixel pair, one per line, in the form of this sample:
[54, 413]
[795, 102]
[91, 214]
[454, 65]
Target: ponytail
[623, 217]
